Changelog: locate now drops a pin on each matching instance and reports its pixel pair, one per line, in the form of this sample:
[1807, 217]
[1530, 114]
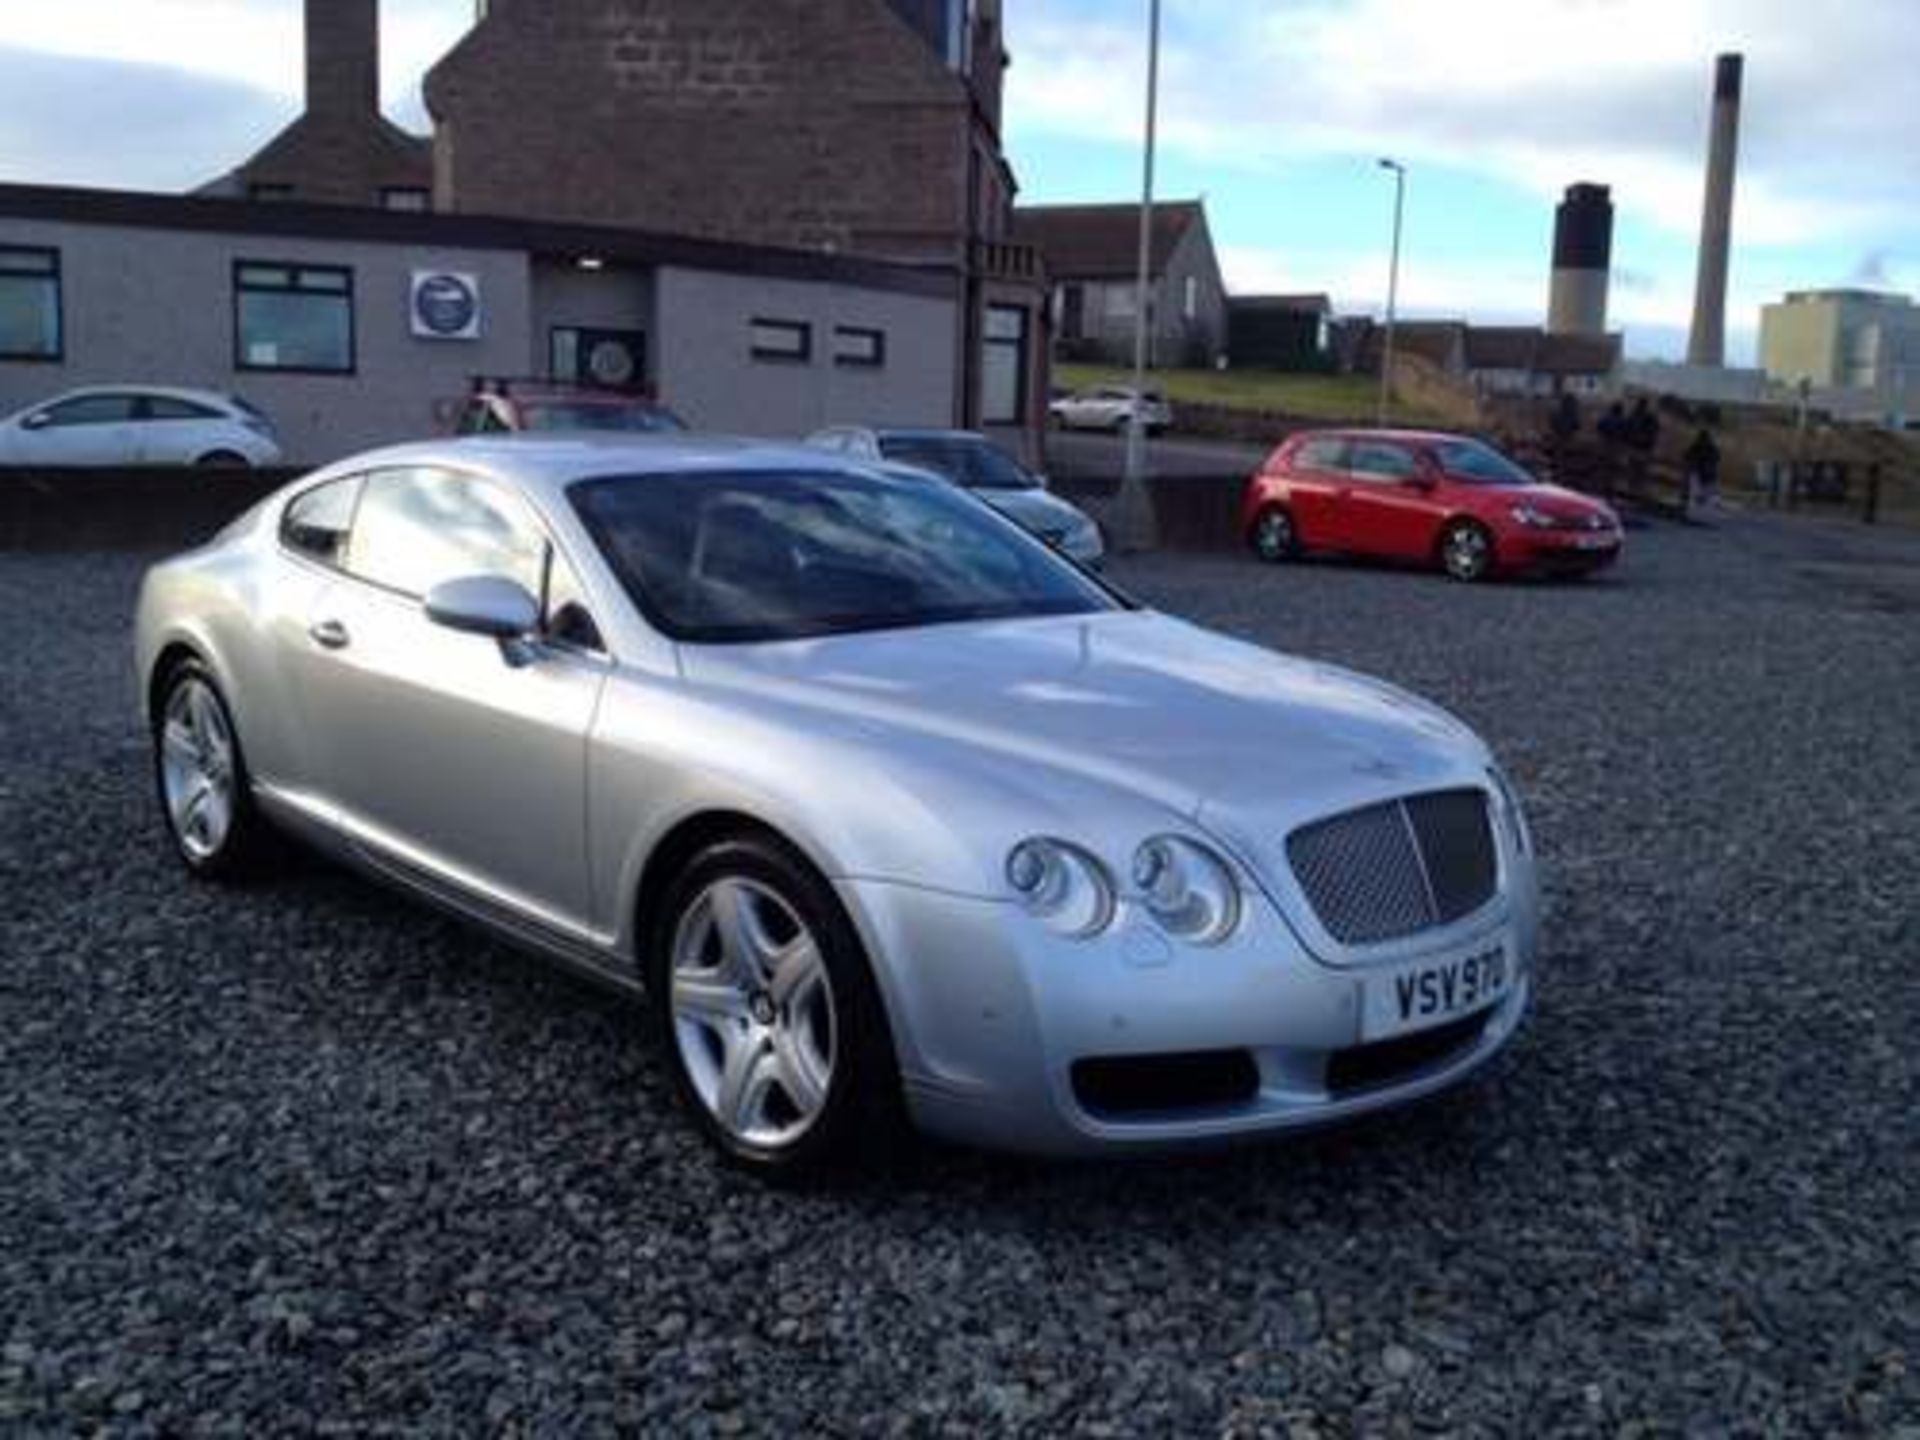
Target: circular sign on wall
[446, 305]
[610, 361]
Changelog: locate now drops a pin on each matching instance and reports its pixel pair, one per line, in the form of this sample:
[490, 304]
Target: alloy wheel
[1273, 536]
[1466, 552]
[196, 768]
[753, 1012]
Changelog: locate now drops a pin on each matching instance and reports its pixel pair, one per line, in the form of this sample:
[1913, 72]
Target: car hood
[1555, 500]
[1035, 509]
[1131, 701]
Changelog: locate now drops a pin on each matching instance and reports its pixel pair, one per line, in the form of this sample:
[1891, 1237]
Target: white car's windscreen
[780, 555]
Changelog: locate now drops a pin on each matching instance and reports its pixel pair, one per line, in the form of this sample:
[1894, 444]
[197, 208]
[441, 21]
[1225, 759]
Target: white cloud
[1540, 92]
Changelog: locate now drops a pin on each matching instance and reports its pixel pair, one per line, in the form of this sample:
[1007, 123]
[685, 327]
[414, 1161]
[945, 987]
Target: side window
[1322, 455]
[91, 410]
[168, 407]
[316, 523]
[472, 414]
[417, 528]
[1382, 462]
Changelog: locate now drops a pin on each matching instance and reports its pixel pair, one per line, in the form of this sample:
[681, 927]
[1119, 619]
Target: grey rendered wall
[156, 306]
[706, 371]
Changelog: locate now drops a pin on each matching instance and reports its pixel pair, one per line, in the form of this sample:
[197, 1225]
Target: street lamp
[1134, 512]
[1393, 285]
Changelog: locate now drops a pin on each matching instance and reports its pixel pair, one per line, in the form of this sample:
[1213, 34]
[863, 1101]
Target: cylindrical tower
[1582, 257]
[1707, 345]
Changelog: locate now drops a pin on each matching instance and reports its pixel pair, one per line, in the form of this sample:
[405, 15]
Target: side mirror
[489, 605]
[39, 420]
[1425, 484]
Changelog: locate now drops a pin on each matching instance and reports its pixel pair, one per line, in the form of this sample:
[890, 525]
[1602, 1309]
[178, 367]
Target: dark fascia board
[298, 220]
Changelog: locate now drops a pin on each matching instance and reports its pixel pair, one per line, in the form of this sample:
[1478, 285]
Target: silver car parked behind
[886, 806]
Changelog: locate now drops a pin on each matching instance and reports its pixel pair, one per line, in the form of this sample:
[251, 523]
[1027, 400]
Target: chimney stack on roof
[343, 57]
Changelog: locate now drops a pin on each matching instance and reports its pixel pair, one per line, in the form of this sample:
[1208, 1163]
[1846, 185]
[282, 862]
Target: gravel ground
[310, 1159]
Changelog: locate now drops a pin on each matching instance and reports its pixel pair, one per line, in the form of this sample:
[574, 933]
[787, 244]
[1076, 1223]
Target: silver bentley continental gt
[891, 811]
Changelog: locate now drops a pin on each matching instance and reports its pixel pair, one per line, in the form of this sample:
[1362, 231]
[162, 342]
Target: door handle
[329, 634]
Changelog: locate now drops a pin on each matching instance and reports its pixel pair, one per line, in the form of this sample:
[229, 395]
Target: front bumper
[1559, 550]
[991, 1015]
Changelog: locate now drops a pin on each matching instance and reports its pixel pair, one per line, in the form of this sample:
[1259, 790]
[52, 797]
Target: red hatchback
[1426, 497]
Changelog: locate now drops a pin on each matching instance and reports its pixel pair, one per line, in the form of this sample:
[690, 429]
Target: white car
[973, 462]
[139, 425]
[1111, 407]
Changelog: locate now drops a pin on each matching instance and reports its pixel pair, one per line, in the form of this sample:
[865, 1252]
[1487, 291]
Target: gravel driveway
[309, 1158]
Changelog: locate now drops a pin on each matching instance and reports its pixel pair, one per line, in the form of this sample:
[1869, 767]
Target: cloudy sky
[1274, 110]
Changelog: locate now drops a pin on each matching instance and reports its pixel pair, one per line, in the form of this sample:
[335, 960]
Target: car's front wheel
[223, 460]
[205, 794]
[765, 1006]
[1466, 550]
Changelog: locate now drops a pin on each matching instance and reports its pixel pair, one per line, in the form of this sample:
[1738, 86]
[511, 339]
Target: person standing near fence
[1703, 472]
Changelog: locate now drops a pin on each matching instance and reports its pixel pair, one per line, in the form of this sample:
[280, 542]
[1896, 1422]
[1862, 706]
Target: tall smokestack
[1582, 257]
[343, 57]
[1707, 345]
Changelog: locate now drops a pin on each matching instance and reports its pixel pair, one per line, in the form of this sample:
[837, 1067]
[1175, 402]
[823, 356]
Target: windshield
[782, 555]
[976, 464]
[1479, 464]
[593, 415]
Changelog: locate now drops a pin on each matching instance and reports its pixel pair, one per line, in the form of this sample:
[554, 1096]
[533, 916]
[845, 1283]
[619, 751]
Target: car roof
[172, 392]
[930, 433]
[547, 464]
[1368, 432]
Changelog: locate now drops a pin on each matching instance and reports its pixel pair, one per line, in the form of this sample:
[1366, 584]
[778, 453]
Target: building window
[29, 303]
[1121, 298]
[405, 197]
[1190, 306]
[293, 317]
[790, 340]
[269, 190]
[1003, 366]
[859, 348]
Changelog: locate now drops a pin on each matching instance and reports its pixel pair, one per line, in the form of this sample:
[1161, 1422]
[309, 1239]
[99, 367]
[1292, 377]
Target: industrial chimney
[1707, 345]
[1582, 256]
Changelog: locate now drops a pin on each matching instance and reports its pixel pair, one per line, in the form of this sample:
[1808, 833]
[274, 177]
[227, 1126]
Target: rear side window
[168, 407]
[415, 529]
[316, 524]
[1387, 462]
[1321, 455]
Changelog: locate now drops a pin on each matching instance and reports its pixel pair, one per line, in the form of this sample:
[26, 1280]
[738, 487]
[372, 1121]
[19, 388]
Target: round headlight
[1062, 885]
[1189, 890]
[1511, 811]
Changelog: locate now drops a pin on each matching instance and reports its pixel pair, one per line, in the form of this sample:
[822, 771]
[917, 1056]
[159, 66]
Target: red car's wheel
[1466, 550]
[1273, 538]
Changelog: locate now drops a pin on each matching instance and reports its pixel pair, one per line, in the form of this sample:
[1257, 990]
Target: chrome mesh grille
[1396, 868]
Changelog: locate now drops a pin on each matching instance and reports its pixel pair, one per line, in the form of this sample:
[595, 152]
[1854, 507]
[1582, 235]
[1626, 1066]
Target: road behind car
[313, 1152]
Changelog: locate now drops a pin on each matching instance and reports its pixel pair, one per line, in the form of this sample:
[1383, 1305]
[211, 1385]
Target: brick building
[341, 150]
[866, 127]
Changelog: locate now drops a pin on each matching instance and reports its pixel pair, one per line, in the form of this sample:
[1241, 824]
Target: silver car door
[440, 753]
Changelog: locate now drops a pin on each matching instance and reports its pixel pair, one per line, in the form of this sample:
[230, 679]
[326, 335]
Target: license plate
[1434, 991]
[1593, 542]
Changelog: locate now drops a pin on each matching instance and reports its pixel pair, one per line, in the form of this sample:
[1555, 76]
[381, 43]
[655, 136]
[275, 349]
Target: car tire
[1273, 537]
[1466, 551]
[200, 773]
[765, 1006]
[224, 460]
